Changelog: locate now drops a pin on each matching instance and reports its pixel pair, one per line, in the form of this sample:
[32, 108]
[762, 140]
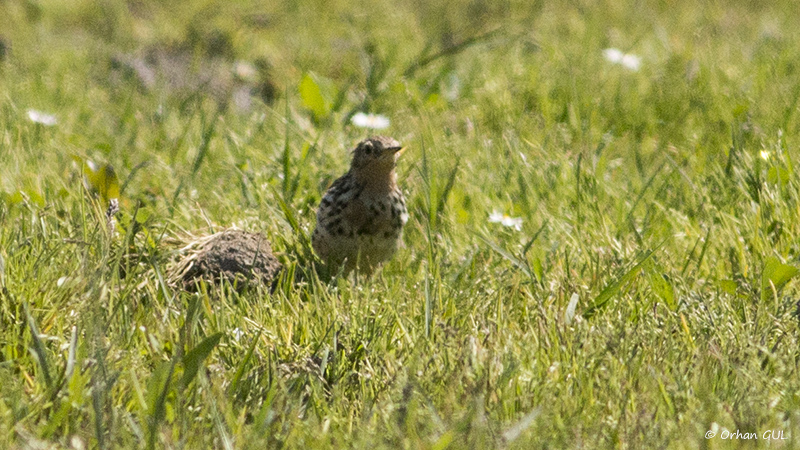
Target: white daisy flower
[506, 220]
[374, 121]
[495, 216]
[626, 60]
[237, 334]
[245, 71]
[613, 55]
[77, 443]
[631, 62]
[39, 117]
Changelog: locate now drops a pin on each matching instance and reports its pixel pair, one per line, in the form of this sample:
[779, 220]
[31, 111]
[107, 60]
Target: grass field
[645, 297]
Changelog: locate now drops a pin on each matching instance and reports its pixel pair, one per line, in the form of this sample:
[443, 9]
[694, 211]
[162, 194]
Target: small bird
[360, 219]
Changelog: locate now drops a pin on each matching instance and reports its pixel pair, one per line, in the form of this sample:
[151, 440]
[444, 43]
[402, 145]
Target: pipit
[360, 219]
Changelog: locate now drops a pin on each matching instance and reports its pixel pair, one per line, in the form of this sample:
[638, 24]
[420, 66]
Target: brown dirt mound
[239, 257]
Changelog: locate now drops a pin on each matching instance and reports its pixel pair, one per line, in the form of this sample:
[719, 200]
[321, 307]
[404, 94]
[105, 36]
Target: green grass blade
[38, 348]
[612, 289]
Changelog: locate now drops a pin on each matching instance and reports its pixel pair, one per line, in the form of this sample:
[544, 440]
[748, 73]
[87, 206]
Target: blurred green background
[647, 297]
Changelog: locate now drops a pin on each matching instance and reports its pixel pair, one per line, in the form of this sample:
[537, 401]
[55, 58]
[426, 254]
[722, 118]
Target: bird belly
[359, 228]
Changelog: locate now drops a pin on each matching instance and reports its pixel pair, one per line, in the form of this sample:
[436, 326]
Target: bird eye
[368, 150]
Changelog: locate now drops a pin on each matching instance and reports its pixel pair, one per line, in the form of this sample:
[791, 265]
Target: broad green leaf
[158, 387]
[20, 197]
[537, 268]
[778, 175]
[776, 274]
[195, 357]
[311, 96]
[15, 199]
[104, 180]
[444, 441]
[101, 179]
[728, 286]
[35, 198]
[660, 285]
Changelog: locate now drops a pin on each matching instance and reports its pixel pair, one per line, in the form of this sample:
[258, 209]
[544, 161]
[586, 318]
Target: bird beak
[397, 150]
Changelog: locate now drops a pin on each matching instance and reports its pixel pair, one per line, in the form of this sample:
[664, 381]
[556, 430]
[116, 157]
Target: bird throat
[376, 179]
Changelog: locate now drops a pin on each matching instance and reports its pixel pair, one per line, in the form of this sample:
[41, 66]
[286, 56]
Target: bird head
[376, 154]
